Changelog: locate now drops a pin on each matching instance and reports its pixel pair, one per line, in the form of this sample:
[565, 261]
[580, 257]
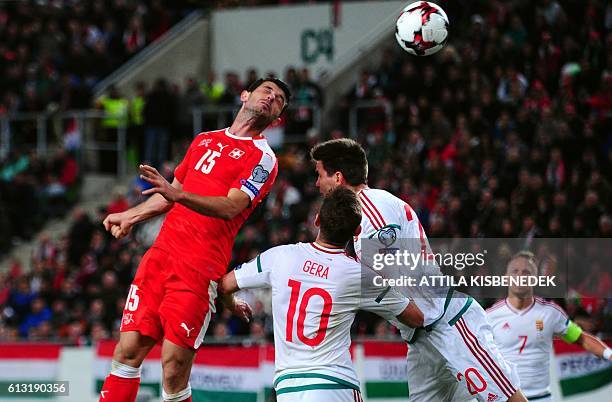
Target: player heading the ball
[453, 356]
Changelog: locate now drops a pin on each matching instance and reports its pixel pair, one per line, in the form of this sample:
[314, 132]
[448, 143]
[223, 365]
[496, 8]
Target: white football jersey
[393, 223]
[316, 292]
[525, 338]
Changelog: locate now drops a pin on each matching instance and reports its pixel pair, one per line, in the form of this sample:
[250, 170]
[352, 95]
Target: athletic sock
[181, 396]
[122, 383]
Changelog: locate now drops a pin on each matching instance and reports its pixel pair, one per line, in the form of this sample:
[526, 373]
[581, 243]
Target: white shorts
[321, 395]
[430, 378]
[458, 361]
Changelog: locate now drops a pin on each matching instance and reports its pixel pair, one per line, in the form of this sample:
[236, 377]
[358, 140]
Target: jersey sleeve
[181, 170]
[560, 321]
[256, 273]
[386, 302]
[257, 176]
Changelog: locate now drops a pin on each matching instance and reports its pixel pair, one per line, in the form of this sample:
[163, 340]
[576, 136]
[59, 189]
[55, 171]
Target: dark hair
[339, 216]
[345, 156]
[284, 87]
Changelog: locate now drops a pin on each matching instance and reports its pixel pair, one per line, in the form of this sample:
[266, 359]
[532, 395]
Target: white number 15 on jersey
[207, 161]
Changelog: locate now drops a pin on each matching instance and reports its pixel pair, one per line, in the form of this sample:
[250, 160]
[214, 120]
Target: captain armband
[573, 332]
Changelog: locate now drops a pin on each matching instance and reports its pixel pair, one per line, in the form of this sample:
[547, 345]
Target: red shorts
[161, 305]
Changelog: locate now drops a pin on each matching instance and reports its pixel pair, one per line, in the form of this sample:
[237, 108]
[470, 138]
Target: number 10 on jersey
[303, 304]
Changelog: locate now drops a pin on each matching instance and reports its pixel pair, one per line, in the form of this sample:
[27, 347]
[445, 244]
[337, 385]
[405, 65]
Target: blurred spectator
[212, 89]
[116, 116]
[191, 98]
[39, 313]
[135, 140]
[159, 118]
[119, 202]
[79, 236]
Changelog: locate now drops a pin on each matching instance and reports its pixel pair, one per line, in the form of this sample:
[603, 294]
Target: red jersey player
[221, 179]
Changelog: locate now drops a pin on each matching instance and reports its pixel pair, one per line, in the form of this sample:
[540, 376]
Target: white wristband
[607, 353]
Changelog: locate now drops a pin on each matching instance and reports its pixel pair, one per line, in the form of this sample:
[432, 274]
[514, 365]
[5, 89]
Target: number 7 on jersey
[524, 338]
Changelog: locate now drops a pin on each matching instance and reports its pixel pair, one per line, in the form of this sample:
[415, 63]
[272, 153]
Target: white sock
[124, 371]
[179, 396]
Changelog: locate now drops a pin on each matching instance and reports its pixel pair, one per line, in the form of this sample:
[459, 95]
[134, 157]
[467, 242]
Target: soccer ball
[422, 28]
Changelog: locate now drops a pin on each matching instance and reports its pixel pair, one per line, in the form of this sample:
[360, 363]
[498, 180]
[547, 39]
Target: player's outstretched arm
[593, 344]
[121, 224]
[218, 207]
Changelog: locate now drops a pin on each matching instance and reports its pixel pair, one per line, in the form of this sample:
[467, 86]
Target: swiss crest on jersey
[236, 153]
[211, 155]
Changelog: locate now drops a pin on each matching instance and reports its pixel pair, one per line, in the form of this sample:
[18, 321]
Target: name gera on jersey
[315, 269]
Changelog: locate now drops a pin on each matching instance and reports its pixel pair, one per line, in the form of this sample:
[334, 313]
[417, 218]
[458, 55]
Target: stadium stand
[32, 190]
[504, 134]
[60, 49]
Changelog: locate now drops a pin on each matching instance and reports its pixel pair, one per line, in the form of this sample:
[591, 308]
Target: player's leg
[185, 315]
[140, 330]
[132, 348]
[463, 337]
[428, 376]
[176, 366]
[121, 385]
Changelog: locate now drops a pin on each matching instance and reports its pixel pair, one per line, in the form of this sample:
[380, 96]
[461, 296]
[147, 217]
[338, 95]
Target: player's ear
[339, 177]
[275, 123]
[244, 95]
[358, 231]
[317, 221]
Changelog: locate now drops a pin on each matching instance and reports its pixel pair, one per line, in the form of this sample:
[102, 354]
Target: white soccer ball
[422, 28]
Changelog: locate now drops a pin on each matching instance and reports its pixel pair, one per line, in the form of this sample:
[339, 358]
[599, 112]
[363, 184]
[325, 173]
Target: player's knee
[130, 353]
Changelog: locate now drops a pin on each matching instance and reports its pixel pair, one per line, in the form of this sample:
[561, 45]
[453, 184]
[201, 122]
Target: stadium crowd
[32, 190]
[506, 133]
[53, 52]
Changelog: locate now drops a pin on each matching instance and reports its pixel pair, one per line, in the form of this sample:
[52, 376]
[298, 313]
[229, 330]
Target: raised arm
[120, 224]
[224, 207]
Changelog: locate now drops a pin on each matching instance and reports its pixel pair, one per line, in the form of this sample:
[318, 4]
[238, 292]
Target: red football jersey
[215, 162]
